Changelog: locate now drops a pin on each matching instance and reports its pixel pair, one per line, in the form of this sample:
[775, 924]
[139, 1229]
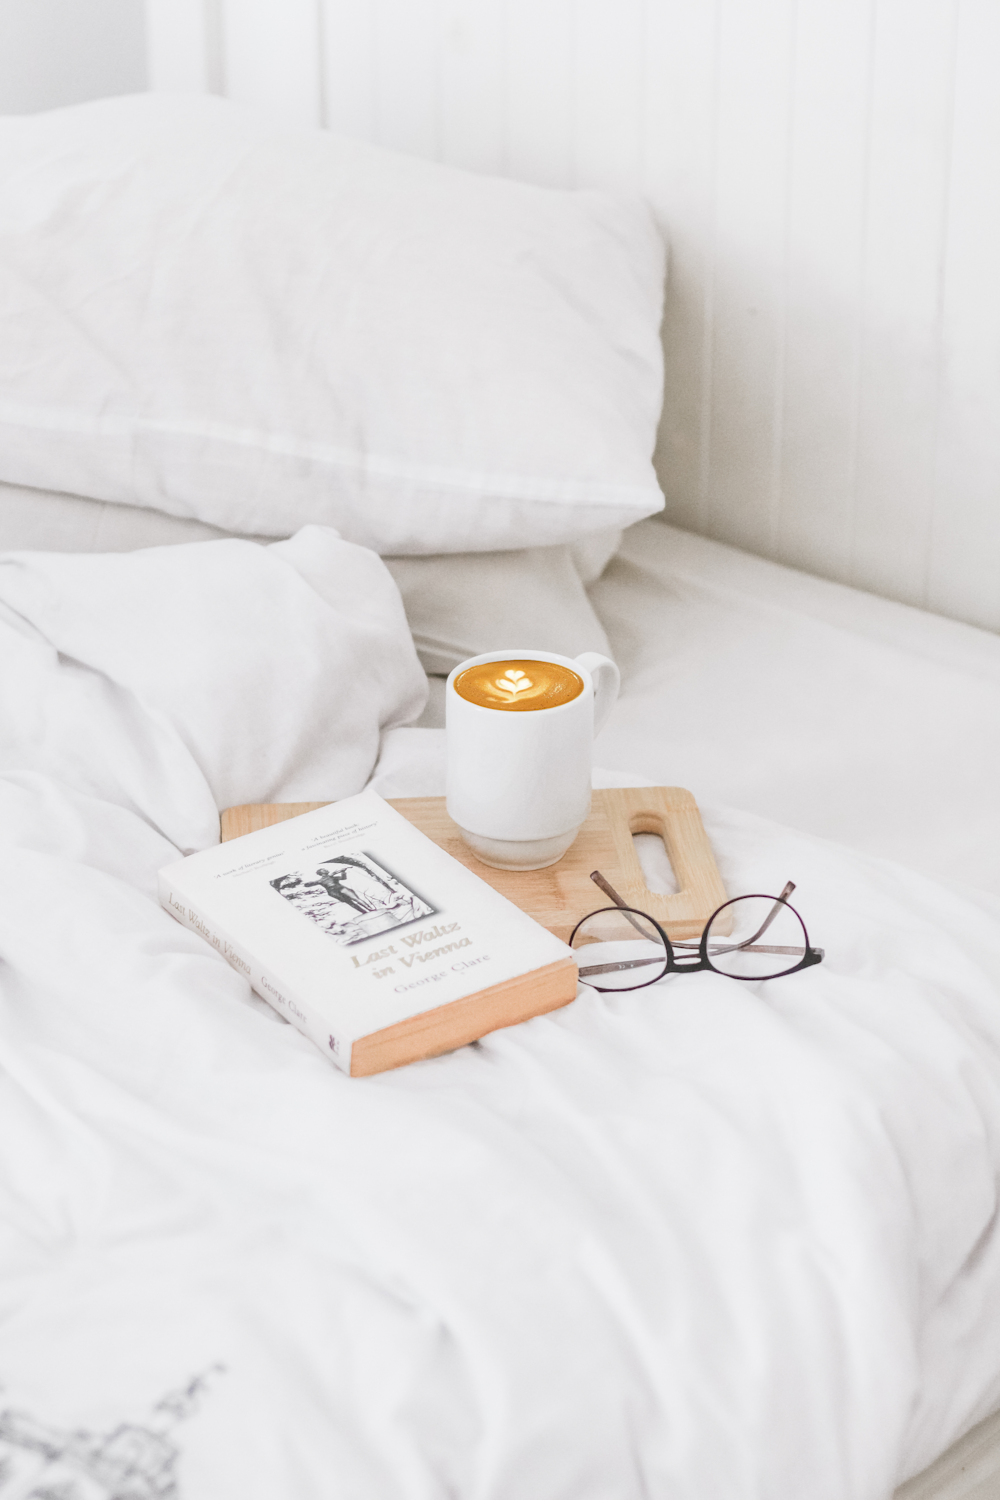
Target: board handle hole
[657, 871]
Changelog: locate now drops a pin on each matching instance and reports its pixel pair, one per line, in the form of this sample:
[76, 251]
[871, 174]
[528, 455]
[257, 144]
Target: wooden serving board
[559, 896]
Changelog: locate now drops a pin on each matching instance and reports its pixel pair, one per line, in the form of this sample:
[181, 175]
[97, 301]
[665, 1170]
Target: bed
[721, 1244]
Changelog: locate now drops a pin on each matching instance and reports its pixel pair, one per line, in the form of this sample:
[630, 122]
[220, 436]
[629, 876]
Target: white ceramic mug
[519, 782]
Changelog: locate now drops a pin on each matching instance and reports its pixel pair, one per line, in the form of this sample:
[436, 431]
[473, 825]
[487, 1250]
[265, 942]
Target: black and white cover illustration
[132, 1461]
[352, 897]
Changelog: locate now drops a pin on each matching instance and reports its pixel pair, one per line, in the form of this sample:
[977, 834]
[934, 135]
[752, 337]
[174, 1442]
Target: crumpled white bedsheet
[179, 680]
[705, 1241]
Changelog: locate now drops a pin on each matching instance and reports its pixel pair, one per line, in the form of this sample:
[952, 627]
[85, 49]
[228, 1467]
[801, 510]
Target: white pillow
[207, 314]
[457, 605]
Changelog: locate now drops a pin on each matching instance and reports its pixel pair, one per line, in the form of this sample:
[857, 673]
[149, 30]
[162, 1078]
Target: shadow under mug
[518, 783]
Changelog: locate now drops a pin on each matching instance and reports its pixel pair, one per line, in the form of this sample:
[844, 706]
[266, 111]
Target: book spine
[263, 983]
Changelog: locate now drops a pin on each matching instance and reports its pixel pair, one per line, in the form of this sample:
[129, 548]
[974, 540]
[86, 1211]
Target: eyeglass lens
[619, 949]
[765, 939]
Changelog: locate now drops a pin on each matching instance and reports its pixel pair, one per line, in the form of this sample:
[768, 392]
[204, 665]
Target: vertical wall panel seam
[505, 88]
[642, 113]
[641, 162]
[781, 342]
[573, 41]
[438, 81]
[854, 459]
[704, 506]
[939, 356]
[376, 71]
[216, 72]
[371, 65]
[319, 32]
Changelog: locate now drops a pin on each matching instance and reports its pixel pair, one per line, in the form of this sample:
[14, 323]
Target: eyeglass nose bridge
[688, 966]
[672, 814]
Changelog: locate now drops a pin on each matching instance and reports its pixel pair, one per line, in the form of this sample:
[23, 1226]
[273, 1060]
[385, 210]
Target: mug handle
[607, 680]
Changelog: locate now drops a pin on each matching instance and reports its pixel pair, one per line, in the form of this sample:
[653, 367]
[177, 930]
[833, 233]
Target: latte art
[518, 686]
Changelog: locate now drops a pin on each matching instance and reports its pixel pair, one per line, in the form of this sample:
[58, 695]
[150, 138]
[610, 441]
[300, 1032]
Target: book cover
[367, 936]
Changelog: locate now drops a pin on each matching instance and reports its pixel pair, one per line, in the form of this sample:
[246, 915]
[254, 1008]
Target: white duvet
[704, 1240]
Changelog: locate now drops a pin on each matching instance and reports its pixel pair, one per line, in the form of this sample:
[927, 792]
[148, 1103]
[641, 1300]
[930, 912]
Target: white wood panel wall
[828, 175]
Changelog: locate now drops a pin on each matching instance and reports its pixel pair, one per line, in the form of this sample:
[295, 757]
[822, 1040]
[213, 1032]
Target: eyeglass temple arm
[610, 891]
[607, 888]
[772, 912]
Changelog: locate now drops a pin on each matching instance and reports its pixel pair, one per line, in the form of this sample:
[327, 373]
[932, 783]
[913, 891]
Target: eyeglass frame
[703, 963]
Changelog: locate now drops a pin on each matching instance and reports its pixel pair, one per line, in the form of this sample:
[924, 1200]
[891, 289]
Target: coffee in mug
[518, 686]
[520, 729]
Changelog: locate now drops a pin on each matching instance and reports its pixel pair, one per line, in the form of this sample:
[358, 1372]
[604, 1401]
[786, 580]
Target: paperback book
[368, 937]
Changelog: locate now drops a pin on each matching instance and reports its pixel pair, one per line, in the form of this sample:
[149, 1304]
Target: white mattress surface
[816, 705]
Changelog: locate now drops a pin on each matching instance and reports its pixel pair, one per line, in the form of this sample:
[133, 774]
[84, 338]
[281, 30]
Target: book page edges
[459, 1022]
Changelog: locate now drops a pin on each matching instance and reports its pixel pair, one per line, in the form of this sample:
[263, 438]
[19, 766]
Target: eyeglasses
[621, 948]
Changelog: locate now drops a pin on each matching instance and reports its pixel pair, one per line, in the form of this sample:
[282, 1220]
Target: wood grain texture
[825, 173]
[559, 896]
